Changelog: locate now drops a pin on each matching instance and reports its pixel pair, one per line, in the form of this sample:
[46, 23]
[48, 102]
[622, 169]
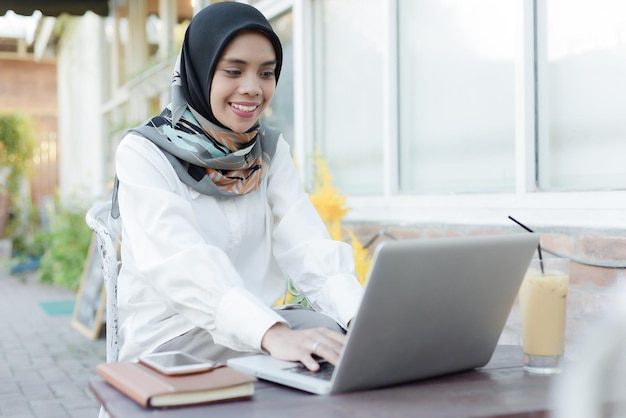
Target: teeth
[244, 108]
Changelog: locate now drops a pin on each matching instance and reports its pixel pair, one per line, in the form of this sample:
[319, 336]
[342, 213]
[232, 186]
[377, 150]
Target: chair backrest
[107, 232]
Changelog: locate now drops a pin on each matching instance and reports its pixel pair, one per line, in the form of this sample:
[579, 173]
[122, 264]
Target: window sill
[597, 210]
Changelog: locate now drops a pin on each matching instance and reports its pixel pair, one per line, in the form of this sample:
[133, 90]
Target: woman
[215, 219]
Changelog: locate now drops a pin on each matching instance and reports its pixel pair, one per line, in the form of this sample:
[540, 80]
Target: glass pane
[582, 94]
[279, 114]
[456, 68]
[348, 89]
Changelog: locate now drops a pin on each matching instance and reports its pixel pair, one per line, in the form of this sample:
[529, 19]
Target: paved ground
[44, 362]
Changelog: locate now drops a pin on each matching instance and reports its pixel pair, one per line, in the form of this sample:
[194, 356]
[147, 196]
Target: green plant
[67, 241]
[29, 242]
[17, 144]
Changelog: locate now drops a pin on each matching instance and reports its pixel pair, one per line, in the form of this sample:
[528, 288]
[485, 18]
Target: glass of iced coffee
[543, 307]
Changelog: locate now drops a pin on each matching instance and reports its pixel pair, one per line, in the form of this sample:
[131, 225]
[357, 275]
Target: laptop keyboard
[325, 372]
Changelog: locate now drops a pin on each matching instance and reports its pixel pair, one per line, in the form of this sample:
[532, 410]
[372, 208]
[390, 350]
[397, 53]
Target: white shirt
[219, 263]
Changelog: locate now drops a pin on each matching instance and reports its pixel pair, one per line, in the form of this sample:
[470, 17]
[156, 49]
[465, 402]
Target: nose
[250, 85]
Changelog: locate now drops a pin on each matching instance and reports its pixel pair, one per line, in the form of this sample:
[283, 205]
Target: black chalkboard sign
[91, 299]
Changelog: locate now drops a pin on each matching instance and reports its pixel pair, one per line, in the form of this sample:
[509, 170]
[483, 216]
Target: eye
[232, 72]
[268, 74]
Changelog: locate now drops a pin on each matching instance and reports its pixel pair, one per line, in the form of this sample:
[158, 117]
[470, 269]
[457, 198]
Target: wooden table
[500, 389]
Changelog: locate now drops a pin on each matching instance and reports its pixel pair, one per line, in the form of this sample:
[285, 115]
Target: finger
[335, 339]
[328, 353]
[326, 349]
[321, 343]
[314, 351]
[310, 363]
[325, 334]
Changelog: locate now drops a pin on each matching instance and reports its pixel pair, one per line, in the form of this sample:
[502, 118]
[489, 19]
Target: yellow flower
[362, 258]
[328, 202]
[331, 206]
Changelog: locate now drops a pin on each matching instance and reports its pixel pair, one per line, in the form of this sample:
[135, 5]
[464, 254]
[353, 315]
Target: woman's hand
[300, 345]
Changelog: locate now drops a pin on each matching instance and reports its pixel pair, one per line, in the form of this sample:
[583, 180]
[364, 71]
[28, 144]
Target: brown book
[150, 388]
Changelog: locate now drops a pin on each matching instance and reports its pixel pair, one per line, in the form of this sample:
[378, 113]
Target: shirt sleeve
[320, 267]
[194, 278]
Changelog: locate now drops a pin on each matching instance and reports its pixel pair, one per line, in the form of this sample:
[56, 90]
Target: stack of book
[150, 388]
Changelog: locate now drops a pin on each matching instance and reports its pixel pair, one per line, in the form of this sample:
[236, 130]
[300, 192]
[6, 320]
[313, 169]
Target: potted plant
[17, 144]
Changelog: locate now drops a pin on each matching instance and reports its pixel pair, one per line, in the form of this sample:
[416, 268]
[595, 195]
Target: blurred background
[434, 117]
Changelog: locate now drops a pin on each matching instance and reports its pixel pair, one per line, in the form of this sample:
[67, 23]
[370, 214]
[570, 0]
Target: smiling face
[244, 81]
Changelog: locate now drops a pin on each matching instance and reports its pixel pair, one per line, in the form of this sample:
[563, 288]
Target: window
[582, 96]
[349, 47]
[456, 96]
[456, 87]
[280, 113]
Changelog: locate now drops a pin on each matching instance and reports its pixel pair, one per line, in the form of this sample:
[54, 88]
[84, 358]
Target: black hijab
[207, 36]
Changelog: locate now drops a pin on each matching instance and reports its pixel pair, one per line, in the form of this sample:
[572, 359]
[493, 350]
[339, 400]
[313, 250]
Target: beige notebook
[150, 388]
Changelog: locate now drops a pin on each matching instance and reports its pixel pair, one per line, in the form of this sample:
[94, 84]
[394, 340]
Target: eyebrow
[240, 61]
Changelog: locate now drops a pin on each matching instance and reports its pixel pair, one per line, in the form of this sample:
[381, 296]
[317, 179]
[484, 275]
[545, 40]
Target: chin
[242, 128]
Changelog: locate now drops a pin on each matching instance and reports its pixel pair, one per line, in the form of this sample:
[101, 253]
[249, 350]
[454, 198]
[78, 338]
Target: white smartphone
[176, 362]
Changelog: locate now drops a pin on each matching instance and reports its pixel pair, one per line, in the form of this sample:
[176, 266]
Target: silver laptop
[431, 307]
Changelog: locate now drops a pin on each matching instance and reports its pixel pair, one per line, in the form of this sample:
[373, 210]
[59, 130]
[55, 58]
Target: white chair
[99, 219]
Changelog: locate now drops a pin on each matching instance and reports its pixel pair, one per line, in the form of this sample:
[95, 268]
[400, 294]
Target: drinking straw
[538, 245]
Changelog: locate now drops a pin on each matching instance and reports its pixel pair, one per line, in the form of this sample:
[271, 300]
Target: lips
[244, 108]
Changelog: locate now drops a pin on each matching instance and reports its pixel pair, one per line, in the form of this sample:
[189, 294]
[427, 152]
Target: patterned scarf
[213, 160]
